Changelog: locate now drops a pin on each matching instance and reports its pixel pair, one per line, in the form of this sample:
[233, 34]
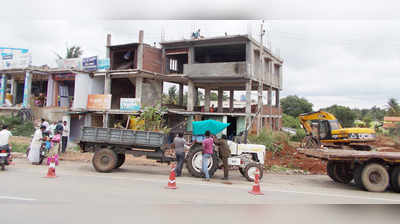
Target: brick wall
[152, 59]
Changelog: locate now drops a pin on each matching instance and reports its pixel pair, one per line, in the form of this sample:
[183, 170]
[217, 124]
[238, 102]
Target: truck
[110, 146]
[322, 128]
[371, 170]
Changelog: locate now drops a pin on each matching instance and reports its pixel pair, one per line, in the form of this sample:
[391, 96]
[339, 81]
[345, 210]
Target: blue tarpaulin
[215, 127]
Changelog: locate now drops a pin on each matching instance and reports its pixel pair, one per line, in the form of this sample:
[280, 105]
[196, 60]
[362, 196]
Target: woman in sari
[34, 152]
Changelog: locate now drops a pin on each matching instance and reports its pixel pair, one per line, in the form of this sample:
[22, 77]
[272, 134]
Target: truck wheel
[250, 169]
[104, 160]
[395, 179]
[343, 173]
[375, 177]
[121, 160]
[330, 169]
[194, 160]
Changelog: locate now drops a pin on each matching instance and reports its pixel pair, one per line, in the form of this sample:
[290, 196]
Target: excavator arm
[317, 115]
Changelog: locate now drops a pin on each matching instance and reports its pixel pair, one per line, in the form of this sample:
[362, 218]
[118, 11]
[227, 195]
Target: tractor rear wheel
[194, 160]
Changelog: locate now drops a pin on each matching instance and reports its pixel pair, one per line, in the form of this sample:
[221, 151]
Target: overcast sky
[347, 62]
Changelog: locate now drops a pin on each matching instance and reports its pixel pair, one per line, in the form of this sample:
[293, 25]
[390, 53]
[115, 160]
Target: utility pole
[261, 80]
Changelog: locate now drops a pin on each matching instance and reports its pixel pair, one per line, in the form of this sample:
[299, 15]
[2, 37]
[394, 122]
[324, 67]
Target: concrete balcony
[216, 70]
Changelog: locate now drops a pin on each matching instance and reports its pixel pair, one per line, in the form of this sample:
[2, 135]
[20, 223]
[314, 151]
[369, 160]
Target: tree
[393, 107]
[344, 114]
[214, 96]
[172, 98]
[294, 105]
[72, 52]
[290, 122]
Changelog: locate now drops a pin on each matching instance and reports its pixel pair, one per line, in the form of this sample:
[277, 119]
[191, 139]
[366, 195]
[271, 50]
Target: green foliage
[172, 97]
[294, 105]
[74, 52]
[153, 118]
[271, 140]
[17, 127]
[290, 122]
[300, 134]
[214, 96]
[344, 114]
[17, 147]
[393, 107]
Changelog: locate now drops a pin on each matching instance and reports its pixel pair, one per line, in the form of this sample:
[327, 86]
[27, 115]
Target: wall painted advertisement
[14, 58]
[99, 102]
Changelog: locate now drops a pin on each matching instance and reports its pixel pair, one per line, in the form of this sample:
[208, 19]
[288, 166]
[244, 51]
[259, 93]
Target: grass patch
[18, 127]
[19, 147]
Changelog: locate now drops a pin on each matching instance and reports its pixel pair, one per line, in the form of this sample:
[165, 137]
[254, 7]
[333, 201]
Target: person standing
[224, 153]
[59, 128]
[53, 128]
[64, 139]
[46, 124]
[34, 152]
[207, 153]
[179, 145]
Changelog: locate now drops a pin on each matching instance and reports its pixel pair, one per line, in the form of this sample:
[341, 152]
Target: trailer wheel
[121, 160]
[104, 160]
[330, 169]
[250, 169]
[194, 162]
[375, 177]
[342, 172]
[241, 170]
[357, 176]
[395, 179]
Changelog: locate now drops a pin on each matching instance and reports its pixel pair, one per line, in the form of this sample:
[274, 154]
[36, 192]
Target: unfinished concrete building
[228, 63]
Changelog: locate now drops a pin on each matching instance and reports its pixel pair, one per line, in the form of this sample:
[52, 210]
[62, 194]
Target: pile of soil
[290, 158]
[386, 144]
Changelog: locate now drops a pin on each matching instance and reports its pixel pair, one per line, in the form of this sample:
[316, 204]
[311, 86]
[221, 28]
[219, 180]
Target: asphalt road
[137, 193]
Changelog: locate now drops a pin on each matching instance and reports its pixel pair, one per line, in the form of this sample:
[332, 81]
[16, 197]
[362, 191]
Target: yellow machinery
[323, 128]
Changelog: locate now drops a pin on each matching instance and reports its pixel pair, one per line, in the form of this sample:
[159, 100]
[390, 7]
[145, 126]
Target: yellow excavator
[322, 128]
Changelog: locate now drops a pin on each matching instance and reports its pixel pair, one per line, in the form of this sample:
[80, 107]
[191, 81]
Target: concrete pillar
[190, 97]
[50, 91]
[180, 95]
[3, 89]
[259, 106]
[88, 120]
[270, 106]
[107, 84]
[138, 88]
[231, 100]
[249, 59]
[140, 51]
[105, 120]
[248, 97]
[220, 100]
[27, 90]
[108, 44]
[14, 86]
[277, 98]
[191, 55]
[207, 93]
[196, 96]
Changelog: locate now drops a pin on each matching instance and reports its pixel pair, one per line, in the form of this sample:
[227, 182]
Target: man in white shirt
[46, 124]
[5, 135]
[65, 134]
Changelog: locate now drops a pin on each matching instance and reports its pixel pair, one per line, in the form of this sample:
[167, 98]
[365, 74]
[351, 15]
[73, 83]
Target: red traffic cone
[256, 186]
[51, 173]
[172, 181]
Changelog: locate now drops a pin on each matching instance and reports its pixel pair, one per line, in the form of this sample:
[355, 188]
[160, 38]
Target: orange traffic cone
[172, 181]
[256, 186]
[51, 173]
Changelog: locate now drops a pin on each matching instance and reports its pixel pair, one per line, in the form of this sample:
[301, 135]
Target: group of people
[179, 144]
[46, 131]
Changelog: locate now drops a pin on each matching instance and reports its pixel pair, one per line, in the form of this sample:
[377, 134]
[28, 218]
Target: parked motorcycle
[4, 156]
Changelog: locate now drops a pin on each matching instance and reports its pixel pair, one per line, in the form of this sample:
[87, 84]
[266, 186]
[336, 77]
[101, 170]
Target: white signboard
[70, 63]
[132, 104]
[14, 58]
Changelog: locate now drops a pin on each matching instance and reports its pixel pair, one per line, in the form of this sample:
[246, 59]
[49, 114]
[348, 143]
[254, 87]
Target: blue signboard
[89, 64]
[103, 64]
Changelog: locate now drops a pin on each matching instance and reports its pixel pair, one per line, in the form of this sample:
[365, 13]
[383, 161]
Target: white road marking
[17, 198]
